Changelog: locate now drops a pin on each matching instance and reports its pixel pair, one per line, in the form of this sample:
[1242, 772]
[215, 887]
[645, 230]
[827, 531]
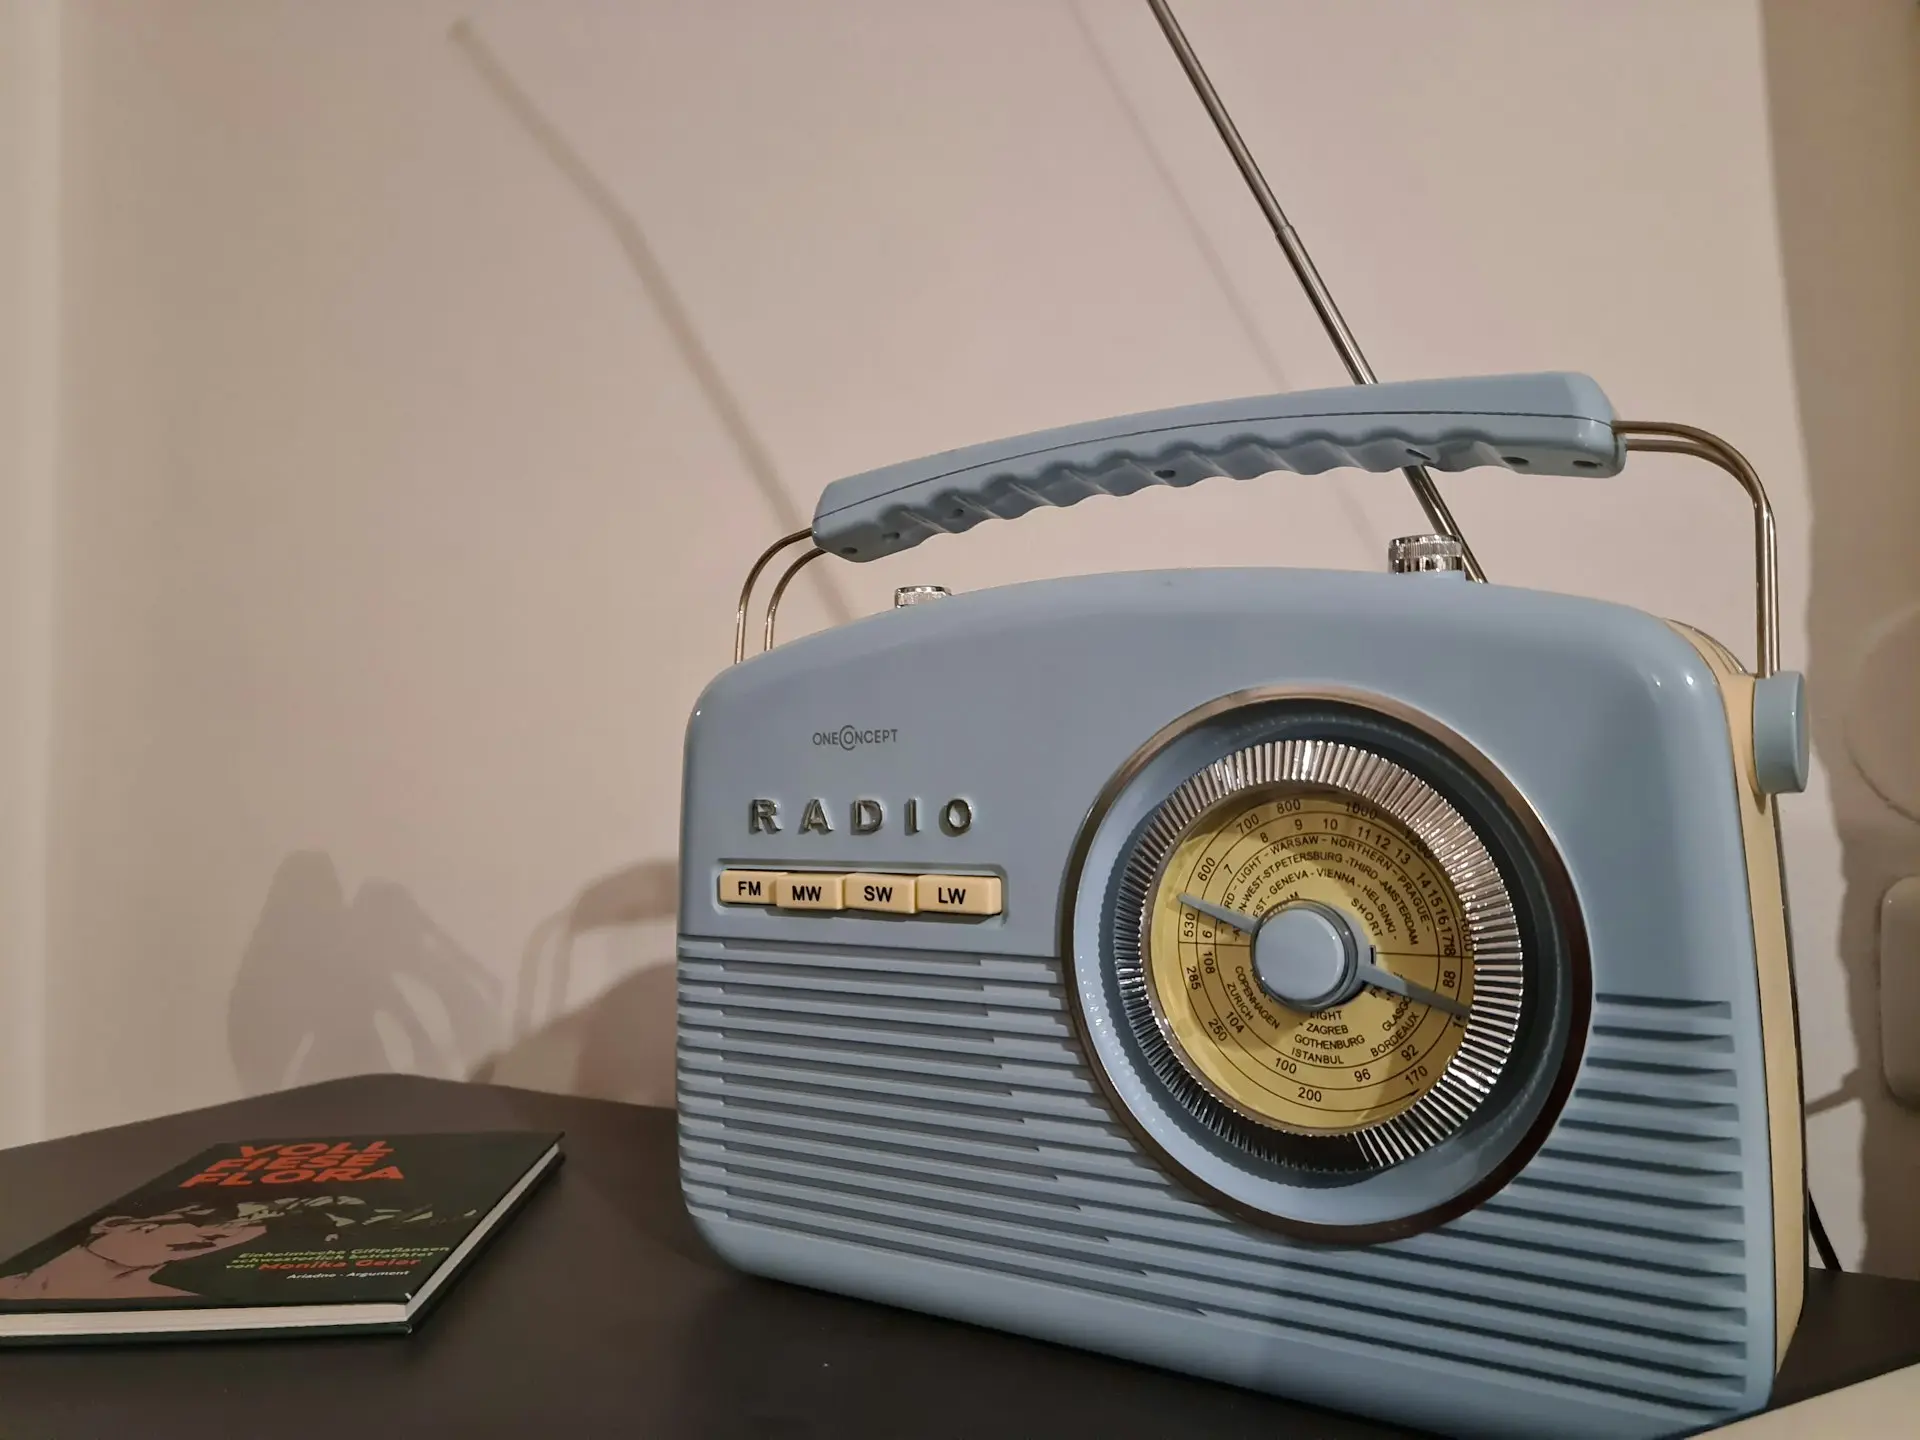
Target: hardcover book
[360, 1232]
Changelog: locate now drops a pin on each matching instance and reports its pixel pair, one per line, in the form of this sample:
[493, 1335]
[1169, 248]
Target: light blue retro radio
[1371, 988]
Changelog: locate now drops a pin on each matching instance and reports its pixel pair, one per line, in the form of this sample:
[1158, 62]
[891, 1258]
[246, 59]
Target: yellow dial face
[1330, 1071]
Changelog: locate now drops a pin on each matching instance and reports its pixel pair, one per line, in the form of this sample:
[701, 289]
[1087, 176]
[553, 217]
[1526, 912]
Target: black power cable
[1820, 1241]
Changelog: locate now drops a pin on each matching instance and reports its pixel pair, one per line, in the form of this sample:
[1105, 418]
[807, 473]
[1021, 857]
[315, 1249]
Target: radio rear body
[936, 1097]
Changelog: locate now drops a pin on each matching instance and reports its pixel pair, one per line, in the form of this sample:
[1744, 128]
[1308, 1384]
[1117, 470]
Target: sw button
[891, 893]
[958, 894]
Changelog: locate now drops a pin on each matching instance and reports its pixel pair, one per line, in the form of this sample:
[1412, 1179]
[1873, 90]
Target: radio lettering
[865, 815]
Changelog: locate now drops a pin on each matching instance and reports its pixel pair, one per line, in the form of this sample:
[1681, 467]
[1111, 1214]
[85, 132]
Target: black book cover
[355, 1220]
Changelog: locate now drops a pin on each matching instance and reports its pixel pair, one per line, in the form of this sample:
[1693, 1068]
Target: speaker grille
[938, 1105]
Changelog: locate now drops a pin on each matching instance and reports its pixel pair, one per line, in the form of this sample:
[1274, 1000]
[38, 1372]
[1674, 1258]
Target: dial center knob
[1307, 956]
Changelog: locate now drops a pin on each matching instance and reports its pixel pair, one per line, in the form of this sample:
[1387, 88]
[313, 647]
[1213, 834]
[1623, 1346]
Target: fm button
[747, 887]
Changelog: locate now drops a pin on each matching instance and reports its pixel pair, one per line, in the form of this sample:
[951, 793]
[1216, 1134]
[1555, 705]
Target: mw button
[810, 892]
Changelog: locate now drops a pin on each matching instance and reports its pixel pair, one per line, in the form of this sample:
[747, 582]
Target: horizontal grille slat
[987, 1150]
[1665, 1172]
[943, 1015]
[1527, 1216]
[1670, 1083]
[928, 1118]
[1013, 991]
[893, 1033]
[746, 957]
[851, 1056]
[712, 1141]
[805, 1077]
[1717, 1117]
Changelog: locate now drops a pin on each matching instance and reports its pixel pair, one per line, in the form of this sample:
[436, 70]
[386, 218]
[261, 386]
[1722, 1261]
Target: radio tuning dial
[1426, 554]
[1275, 994]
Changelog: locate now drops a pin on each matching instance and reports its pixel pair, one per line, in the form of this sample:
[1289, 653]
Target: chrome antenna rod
[1424, 490]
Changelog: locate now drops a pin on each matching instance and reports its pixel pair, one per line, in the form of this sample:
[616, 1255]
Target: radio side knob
[1782, 748]
[1426, 554]
[918, 595]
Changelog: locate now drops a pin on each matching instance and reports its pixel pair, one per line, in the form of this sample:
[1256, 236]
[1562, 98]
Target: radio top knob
[1421, 554]
[918, 595]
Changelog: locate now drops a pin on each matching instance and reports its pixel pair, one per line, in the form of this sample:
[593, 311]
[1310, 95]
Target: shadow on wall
[1844, 107]
[618, 1046]
[329, 987]
[624, 228]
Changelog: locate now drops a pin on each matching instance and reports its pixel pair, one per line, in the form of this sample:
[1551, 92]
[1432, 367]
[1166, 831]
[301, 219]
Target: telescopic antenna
[1424, 490]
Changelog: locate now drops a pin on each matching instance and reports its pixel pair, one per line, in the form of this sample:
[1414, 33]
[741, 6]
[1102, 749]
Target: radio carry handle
[1540, 424]
[1553, 424]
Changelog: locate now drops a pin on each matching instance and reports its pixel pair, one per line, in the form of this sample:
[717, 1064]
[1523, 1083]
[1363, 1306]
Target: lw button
[810, 892]
[747, 887]
[893, 894]
[958, 894]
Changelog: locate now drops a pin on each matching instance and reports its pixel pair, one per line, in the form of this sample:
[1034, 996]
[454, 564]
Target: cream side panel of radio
[1786, 1123]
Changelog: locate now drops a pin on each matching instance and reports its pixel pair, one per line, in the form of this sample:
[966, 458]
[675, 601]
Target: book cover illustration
[278, 1222]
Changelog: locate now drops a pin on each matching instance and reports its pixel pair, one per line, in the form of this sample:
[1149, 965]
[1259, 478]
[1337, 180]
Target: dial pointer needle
[1369, 972]
[1249, 925]
[1380, 979]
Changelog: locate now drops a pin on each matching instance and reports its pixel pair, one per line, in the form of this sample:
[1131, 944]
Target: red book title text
[345, 1161]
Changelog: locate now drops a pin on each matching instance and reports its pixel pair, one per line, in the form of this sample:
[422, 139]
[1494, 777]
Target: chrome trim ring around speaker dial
[1494, 951]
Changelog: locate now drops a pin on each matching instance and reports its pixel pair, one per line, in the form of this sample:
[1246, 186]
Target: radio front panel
[1339, 984]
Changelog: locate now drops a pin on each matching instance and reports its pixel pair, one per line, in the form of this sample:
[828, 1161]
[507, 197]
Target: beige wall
[29, 357]
[430, 372]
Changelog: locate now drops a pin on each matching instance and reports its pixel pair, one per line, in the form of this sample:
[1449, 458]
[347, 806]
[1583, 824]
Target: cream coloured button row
[887, 894]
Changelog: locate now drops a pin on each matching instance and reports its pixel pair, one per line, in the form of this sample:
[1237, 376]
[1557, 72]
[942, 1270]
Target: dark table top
[599, 1311]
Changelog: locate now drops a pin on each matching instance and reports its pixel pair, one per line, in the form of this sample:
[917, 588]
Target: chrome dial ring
[1493, 951]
